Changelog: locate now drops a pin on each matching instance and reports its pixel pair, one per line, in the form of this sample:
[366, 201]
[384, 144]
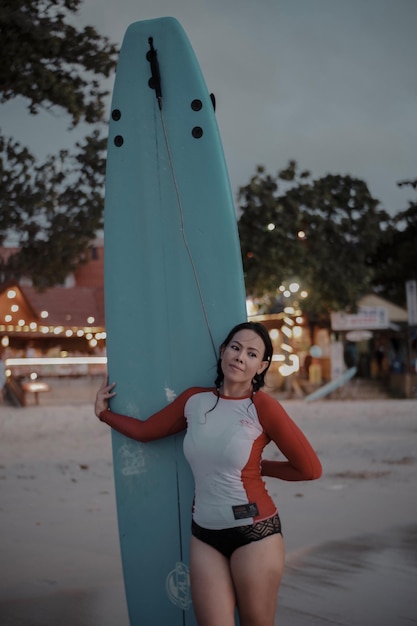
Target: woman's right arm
[169, 421]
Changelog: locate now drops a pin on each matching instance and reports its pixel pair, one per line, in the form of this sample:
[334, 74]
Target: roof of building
[24, 311]
[395, 313]
[75, 306]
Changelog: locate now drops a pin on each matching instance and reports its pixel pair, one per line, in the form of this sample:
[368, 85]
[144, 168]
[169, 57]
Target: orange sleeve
[302, 462]
[168, 421]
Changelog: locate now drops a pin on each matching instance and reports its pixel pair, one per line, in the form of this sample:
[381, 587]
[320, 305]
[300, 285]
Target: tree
[268, 228]
[395, 259]
[51, 209]
[322, 232]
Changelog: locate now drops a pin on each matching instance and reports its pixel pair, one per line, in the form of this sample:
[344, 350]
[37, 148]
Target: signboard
[411, 293]
[358, 335]
[367, 318]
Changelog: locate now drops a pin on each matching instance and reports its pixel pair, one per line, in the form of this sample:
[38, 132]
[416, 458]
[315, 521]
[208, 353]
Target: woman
[237, 550]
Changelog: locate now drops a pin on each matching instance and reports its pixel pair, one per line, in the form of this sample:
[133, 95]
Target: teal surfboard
[173, 289]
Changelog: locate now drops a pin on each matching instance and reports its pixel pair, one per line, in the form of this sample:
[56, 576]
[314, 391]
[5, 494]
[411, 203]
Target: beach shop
[376, 341]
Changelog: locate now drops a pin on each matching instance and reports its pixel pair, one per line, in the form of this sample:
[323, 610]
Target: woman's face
[243, 357]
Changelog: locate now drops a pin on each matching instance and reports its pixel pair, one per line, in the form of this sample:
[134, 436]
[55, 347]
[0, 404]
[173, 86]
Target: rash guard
[223, 444]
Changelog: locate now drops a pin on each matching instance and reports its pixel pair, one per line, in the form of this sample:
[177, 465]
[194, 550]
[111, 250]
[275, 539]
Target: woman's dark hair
[261, 331]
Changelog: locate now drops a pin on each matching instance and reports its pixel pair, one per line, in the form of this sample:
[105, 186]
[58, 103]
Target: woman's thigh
[257, 571]
[212, 588]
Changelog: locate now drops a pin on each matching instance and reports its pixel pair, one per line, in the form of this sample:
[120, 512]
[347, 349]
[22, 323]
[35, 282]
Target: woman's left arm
[302, 462]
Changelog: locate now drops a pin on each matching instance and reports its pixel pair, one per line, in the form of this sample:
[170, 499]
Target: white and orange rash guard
[223, 444]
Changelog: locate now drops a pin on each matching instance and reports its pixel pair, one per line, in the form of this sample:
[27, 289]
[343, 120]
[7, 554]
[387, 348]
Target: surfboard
[331, 386]
[173, 289]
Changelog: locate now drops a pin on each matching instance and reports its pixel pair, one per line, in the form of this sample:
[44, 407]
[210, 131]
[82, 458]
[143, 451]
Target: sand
[351, 537]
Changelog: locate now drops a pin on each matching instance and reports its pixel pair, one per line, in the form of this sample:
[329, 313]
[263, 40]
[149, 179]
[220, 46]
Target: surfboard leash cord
[184, 236]
[155, 84]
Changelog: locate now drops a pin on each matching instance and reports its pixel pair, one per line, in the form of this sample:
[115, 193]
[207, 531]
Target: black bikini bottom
[227, 540]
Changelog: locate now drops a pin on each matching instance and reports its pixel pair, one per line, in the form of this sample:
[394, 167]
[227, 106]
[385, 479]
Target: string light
[68, 360]
[297, 332]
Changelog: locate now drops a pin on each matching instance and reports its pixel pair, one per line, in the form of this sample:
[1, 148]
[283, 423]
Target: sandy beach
[351, 537]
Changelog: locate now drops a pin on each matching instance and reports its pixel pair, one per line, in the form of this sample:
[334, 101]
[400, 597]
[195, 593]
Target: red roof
[68, 306]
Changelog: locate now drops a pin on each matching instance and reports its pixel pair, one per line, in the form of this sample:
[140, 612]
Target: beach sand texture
[351, 537]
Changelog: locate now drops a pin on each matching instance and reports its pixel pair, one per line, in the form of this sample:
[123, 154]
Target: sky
[329, 83]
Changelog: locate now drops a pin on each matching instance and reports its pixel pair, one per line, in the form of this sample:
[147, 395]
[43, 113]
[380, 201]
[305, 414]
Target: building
[61, 321]
[374, 338]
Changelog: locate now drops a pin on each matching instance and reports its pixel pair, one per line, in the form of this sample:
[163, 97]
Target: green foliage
[395, 259]
[51, 210]
[321, 232]
[47, 61]
[54, 209]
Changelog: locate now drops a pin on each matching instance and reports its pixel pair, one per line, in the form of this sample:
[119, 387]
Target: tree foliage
[51, 210]
[54, 209]
[320, 232]
[49, 62]
[395, 259]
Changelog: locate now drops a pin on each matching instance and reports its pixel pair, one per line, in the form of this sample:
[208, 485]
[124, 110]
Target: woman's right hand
[103, 396]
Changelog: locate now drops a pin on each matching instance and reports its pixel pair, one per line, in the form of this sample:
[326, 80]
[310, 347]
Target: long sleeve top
[223, 444]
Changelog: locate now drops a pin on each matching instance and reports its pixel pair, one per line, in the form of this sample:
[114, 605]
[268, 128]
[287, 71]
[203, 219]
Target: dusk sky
[329, 83]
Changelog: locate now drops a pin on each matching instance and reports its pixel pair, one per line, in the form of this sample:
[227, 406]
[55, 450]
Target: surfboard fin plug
[155, 79]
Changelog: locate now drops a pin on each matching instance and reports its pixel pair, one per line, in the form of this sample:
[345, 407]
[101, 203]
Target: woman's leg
[212, 588]
[257, 570]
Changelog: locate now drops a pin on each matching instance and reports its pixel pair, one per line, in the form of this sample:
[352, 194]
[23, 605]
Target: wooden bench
[35, 387]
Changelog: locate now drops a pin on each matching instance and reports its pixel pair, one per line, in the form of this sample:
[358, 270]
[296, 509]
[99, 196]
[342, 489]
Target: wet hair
[259, 379]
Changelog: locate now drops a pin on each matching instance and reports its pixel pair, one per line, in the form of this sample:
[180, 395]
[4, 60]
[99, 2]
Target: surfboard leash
[184, 237]
[155, 83]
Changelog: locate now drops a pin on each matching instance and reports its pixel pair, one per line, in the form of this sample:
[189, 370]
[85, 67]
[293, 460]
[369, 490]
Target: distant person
[379, 357]
[3, 379]
[30, 350]
[307, 364]
[237, 548]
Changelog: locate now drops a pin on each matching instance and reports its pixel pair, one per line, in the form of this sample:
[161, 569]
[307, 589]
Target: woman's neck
[236, 390]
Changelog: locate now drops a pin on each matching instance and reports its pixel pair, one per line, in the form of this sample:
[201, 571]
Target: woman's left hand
[103, 396]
